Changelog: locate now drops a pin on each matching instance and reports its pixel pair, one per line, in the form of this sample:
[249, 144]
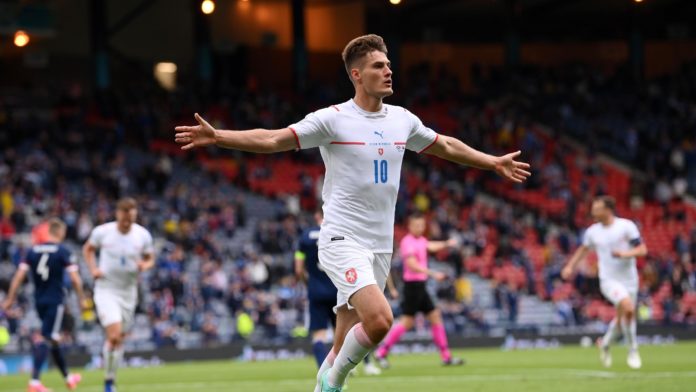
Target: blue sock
[40, 354]
[59, 359]
[320, 352]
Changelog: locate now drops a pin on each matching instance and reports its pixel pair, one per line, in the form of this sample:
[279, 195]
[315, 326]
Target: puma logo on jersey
[380, 134]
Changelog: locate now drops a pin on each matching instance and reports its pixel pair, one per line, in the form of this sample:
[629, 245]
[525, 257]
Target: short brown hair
[56, 227]
[608, 201]
[126, 204]
[358, 47]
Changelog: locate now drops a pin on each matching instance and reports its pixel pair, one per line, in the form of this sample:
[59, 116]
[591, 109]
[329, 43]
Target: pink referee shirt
[417, 247]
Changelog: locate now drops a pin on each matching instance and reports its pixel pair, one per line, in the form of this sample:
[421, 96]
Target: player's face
[125, 218]
[375, 76]
[416, 226]
[600, 212]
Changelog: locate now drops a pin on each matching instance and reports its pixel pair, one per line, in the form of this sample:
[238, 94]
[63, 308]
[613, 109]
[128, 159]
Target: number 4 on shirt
[380, 171]
[42, 268]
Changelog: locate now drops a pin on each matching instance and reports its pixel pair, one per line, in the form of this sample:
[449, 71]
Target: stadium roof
[491, 20]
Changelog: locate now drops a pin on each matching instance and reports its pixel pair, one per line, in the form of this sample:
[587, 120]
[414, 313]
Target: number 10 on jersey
[380, 171]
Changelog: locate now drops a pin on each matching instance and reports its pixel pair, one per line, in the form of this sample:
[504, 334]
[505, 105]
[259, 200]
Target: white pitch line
[560, 374]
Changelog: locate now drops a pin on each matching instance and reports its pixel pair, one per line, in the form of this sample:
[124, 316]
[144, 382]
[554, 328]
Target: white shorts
[113, 307]
[616, 291]
[351, 266]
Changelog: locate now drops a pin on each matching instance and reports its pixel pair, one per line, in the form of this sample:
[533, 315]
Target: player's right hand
[566, 273]
[96, 274]
[200, 135]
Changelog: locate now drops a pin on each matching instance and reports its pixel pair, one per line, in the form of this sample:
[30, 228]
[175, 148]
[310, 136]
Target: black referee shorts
[416, 299]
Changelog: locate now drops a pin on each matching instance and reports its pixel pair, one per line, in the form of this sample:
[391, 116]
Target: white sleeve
[632, 232]
[420, 137]
[587, 239]
[148, 247]
[315, 129]
[95, 239]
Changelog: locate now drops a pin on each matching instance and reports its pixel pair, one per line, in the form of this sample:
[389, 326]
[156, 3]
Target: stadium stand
[225, 234]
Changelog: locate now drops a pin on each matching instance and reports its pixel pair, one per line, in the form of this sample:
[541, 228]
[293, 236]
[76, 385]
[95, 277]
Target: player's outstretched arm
[455, 150]
[580, 254]
[14, 287]
[254, 140]
[436, 246]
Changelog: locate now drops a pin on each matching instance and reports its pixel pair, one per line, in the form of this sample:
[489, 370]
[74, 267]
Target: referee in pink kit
[414, 250]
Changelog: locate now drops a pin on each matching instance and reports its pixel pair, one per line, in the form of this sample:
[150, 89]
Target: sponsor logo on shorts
[351, 276]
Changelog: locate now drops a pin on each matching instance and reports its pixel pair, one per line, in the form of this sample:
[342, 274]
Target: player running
[617, 243]
[362, 142]
[414, 250]
[125, 248]
[321, 294]
[48, 262]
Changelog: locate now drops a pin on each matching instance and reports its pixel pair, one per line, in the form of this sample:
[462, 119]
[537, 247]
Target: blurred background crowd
[226, 223]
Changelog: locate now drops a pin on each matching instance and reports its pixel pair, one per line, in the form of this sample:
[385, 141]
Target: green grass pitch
[665, 368]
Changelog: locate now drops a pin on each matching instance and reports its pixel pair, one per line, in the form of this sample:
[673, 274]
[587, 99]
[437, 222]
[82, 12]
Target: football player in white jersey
[125, 249]
[617, 242]
[362, 142]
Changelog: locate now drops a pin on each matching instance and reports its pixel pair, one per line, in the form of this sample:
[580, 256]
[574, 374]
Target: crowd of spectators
[224, 272]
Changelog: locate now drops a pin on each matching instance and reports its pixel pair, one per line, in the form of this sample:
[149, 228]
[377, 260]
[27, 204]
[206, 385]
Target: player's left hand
[507, 167]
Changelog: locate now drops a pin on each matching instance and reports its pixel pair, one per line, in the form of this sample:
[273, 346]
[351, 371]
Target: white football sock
[112, 360]
[612, 333]
[356, 346]
[629, 328]
[328, 362]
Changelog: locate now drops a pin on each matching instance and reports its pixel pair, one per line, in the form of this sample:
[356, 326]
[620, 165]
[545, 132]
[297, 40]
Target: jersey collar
[381, 114]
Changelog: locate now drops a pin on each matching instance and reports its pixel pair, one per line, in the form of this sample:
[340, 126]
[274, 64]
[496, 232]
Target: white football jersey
[605, 239]
[119, 254]
[362, 153]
